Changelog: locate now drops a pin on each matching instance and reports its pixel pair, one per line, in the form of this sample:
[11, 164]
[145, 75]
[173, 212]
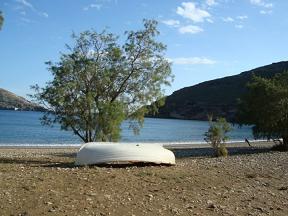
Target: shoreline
[180, 150]
[169, 145]
[187, 150]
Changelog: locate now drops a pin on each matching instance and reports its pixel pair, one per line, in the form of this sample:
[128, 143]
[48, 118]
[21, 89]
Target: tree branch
[77, 133]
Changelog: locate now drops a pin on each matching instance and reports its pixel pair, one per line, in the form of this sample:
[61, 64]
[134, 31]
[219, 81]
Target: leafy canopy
[99, 82]
[265, 106]
[1, 19]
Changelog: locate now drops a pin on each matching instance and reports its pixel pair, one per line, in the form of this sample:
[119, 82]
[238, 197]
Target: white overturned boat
[99, 153]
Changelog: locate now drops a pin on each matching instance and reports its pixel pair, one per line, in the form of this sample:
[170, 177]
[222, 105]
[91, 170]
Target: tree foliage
[217, 135]
[99, 82]
[1, 20]
[265, 106]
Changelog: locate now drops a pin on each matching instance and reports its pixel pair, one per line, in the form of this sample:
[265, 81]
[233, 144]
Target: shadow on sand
[209, 152]
[37, 162]
[56, 162]
[61, 164]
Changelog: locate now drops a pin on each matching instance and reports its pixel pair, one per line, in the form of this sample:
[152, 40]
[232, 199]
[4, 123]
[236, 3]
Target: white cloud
[190, 11]
[191, 61]
[261, 3]
[243, 17]
[45, 14]
[27, 4]
[91, 6]
[97, 6]
[266, 6]
[265, 12]
[239, 26]
[26, 20]
[211, 2]
[171, 22]
[209, 20]
[191, 29]
[239, 20]
[228, 19]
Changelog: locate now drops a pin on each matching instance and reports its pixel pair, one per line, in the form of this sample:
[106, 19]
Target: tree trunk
[90, 136]
[285, 143]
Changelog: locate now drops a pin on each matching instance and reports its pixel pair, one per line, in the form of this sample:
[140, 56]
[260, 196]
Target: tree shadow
[52, 160]
[62, 164]
[179, 153]
[206, 152]
[119, 165]
[65, 155]
[38, 163]
[124, 164]
[24, 161]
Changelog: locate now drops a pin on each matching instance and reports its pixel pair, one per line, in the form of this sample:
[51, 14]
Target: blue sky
[206, 39]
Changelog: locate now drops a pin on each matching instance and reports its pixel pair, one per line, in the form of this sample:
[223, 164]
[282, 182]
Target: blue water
[24, 128]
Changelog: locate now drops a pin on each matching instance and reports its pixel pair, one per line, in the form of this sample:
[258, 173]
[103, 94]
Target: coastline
[170, 145]
[180, 150]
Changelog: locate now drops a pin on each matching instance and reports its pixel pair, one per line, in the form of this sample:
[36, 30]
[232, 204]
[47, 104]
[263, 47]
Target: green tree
[99, 83]
[265, 107]
[1, 19]
[217, 135]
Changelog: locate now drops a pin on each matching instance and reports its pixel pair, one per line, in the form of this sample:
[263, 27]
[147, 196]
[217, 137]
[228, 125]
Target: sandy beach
[41, 181]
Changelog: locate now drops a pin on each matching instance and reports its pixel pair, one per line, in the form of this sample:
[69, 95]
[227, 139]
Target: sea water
[23, 128]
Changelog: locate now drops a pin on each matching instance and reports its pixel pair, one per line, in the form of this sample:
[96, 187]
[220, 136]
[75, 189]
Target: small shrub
[222, 151]
[216, 136]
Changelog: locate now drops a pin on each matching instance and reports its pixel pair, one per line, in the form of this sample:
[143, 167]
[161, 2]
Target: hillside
[218, 97]
[10, 101]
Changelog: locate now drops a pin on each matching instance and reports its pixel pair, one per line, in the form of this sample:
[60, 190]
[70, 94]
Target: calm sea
[19, 128]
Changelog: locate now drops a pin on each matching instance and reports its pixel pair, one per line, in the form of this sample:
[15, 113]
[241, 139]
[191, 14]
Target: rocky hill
[218, 97]
[10, 101]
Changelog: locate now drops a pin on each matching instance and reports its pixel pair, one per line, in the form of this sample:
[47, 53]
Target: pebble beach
[45, 181]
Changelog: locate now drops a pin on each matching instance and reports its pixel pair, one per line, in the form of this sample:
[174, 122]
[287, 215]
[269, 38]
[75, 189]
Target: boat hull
[99, 153]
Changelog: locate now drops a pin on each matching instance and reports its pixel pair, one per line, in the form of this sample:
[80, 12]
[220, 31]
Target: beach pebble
[211, 204]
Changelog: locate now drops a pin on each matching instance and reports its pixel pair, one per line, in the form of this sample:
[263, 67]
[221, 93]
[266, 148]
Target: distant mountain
[10, 101]
[218, 97]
